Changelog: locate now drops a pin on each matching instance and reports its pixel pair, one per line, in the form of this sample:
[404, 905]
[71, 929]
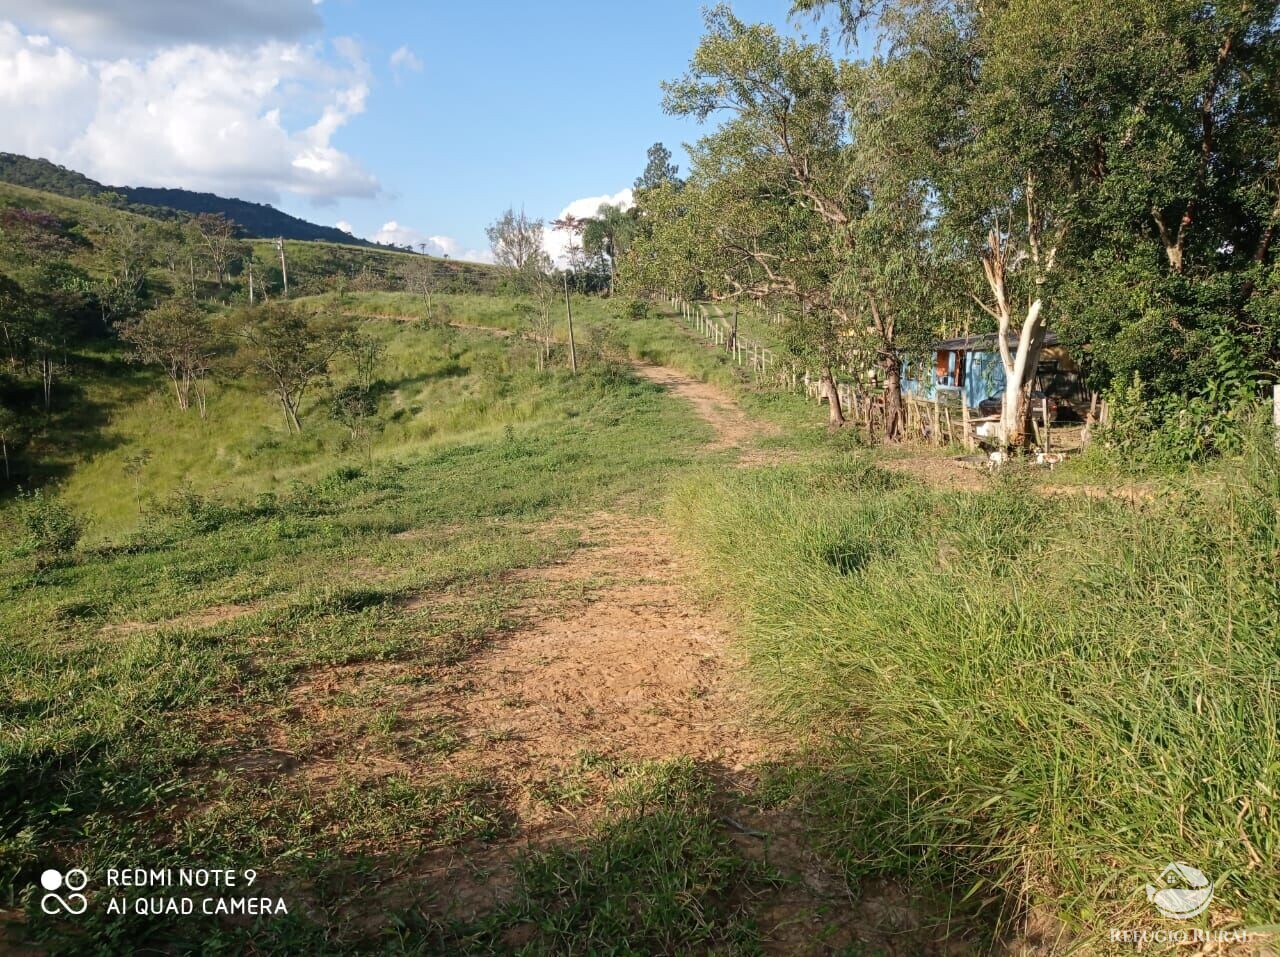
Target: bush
[190, 510]
[631, 308]
[48, 528]
[1167, 431]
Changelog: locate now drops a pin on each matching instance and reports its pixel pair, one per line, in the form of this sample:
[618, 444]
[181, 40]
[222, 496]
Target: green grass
[658, 876]
[126, 712]
[1040, 701]
[659, 339]
[436, 384]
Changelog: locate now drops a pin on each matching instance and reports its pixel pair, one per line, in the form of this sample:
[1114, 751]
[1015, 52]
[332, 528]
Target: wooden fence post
[1275, 411]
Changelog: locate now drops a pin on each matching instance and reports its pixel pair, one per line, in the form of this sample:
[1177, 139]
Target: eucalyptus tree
[1111, 168]
[804, 210]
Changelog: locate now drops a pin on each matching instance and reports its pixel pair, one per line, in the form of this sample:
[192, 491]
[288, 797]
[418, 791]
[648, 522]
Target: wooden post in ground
[284, 267]
[1275, 411]
[937, 419]
[568, 311]
[1086, 434]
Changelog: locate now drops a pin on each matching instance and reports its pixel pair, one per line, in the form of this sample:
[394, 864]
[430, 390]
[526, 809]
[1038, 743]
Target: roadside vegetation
[1038, 701]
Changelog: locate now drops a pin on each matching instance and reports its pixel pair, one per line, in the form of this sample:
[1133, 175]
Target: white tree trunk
[1019, 373]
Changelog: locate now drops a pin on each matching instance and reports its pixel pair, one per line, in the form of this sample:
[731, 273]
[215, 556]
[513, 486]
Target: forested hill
[257, 219]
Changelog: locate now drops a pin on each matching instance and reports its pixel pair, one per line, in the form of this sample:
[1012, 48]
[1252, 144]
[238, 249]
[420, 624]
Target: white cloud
[131, 26]
[405, 59]
[251, 123]
[556, 242]
[394, 233]
[345, 226]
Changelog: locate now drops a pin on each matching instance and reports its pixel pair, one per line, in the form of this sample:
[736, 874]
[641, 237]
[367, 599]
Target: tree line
[1107, 171]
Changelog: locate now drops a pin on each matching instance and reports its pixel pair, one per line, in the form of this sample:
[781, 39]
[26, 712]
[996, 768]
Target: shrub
[191, 510]
[48, 528]
[1167, 431]
[630, 308]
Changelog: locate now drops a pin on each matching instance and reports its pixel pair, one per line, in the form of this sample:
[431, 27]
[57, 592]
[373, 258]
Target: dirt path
[733, 427]
[637, 670]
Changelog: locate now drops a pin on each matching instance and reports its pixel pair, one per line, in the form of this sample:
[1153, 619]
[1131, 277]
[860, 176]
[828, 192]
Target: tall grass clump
[1040, 700]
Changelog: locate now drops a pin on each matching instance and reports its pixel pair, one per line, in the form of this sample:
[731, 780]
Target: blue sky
[405, 121]
[535, 104]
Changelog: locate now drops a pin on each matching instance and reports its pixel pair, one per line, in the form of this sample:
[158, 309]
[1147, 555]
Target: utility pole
[573, 227]
[568, 310]
[284, 269]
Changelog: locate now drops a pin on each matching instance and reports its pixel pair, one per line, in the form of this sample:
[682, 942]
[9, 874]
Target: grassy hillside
[347, 562]
[313, 266]
[256, 219]
[92, 241]
[434, 383]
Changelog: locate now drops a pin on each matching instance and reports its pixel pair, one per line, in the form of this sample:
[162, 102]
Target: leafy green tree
[1112, 168]
[128, 249]
[288, 348]
[178, 337]
[659, 170]
[797, 203]
[607, 236]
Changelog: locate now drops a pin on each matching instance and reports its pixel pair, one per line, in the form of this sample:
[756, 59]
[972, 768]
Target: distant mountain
[256, 219]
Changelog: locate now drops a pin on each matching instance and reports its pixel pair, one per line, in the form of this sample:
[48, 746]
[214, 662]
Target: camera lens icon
[53, 880]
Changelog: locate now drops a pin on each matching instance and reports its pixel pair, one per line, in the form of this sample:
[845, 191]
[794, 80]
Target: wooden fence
[940, 421]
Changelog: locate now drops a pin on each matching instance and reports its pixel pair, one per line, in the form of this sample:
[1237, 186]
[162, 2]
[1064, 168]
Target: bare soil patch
[734, 428]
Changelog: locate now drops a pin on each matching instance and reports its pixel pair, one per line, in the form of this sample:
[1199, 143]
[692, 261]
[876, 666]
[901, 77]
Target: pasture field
[641, 660]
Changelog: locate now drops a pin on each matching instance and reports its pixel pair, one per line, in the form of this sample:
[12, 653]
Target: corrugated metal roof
[987, 342]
